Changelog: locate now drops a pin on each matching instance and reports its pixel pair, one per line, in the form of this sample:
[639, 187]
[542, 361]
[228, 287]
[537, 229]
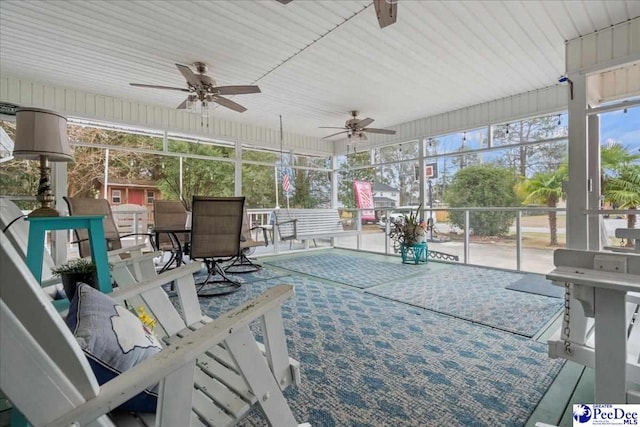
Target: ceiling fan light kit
[203, 90]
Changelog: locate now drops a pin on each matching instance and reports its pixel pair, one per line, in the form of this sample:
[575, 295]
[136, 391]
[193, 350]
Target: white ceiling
[314, 60]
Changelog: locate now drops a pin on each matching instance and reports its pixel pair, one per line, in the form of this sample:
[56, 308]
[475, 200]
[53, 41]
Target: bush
[80, 265]
[483, 186]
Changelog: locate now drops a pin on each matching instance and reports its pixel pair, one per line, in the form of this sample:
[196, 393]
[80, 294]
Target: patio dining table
[180, 251]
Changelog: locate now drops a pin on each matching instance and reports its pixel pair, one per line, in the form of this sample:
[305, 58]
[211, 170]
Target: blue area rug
[476, 294]
[353, 271]
[371, 362]
[264, 274]
[537, 284]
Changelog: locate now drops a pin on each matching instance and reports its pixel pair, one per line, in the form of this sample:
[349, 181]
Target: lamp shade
[41, 133]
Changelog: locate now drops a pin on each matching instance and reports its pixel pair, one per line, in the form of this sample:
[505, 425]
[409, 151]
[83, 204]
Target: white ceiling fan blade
[364, 122]
[384, 131]
[334, 134]
[331, 127]
[189, 75]
[236, 90]
[159, 87]
[225, 102]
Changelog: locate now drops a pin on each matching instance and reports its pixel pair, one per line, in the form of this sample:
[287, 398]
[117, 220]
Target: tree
[483, 185]
[312, 188]
[87, 169]
[624, 192]
[19, 177]
[199, 177]
[545, 188]
[528, 159]
[346, 177]
[398, 169]
[614, 156]
[259, 181]
[621, 179]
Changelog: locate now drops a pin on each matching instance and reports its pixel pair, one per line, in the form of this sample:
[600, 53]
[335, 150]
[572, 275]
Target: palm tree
[620, 175]
[615, 155]
[624, 192]
[545, 188]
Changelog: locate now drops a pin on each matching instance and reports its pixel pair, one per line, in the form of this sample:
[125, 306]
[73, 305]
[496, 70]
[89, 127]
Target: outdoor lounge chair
[89, 206]
[45, 374]
[216, 224]
[170, 215]
[242, 264]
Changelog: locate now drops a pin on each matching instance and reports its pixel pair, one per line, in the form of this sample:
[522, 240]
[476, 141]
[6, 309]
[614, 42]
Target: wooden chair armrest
[162, 279]
[295, 228]
[126, 250]
[52, 281]
[294, 220]
[265, 236]
[134, 260]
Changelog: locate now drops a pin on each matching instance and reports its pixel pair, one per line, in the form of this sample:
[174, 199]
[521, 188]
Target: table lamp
[42, 134]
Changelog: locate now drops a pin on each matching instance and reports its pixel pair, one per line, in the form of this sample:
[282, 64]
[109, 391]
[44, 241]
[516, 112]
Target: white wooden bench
[309, 224]
[601, 328]
[627, 234]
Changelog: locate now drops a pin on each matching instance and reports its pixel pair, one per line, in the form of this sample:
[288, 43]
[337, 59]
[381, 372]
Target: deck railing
[525, 246]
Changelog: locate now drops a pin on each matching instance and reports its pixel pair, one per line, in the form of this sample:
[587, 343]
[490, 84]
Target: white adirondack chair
[16, 229]
[601, 329]
[47, 377]
[129, 273]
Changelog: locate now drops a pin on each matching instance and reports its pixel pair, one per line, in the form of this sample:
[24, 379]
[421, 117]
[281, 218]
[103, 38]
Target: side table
[414, 253]
[93, 223]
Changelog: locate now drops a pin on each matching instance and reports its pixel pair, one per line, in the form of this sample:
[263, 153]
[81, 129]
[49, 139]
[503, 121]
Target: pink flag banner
[364, 199]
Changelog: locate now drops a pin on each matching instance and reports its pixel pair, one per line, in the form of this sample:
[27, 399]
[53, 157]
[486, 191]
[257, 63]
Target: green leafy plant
[483, 186]
[409, 229]
[80, 266]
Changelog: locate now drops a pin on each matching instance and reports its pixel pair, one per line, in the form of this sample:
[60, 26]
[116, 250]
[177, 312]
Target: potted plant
[81, 270]
[408, 230]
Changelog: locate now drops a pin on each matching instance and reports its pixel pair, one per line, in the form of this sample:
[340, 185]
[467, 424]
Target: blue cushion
[113, 339]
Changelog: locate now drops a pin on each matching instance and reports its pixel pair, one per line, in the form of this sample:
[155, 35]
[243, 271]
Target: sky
[621, 127]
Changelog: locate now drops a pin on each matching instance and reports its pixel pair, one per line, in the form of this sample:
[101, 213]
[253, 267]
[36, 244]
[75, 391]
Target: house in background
[384, 196]
[129, 197]
[130, 192]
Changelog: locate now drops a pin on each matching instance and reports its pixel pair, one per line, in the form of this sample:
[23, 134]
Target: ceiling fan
[357, 128]
[202, 87]
[386, 11]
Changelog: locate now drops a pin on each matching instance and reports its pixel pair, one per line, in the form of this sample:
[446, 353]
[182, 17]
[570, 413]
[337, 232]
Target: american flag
[286, 184]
